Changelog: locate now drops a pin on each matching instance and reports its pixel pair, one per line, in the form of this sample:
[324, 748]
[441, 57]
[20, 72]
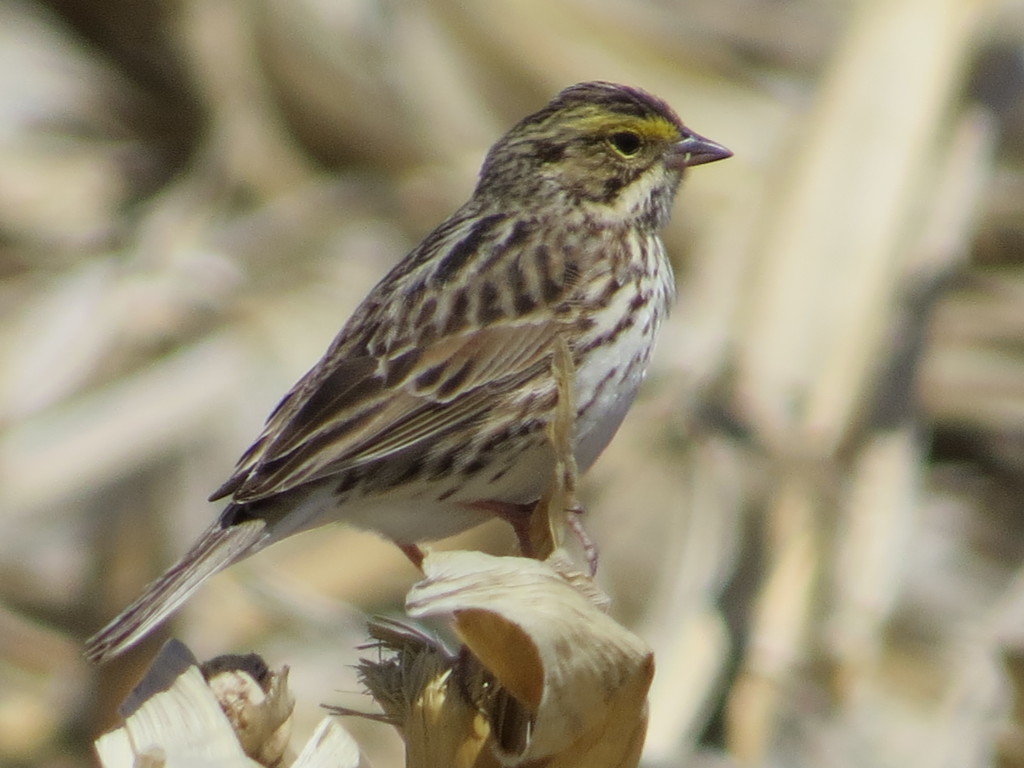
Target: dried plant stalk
[832, 253]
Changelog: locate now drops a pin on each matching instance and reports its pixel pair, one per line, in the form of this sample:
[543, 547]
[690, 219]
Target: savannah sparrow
[428, 412]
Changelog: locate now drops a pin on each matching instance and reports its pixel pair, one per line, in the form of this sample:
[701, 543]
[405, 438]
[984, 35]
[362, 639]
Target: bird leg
[516, 515]
[519, 516]
[414, 553]
[575, 522]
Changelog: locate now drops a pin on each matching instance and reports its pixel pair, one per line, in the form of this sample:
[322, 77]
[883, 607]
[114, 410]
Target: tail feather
[218, 548]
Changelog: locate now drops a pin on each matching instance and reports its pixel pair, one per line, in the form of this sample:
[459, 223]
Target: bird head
[607, 150]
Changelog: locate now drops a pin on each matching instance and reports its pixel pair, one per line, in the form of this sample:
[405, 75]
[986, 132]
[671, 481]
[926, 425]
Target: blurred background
[814, 515]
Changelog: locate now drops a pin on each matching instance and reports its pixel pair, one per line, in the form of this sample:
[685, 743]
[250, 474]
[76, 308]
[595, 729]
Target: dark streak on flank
[444, 466]
[604, 298]
[410, 472]
[639, 301]
[606, 338]
[473, 467]
[500, 473]
[491, 444]
[601, 385]
[636, 362]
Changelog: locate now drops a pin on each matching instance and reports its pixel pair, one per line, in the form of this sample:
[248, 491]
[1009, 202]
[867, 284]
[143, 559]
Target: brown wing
[350, 411]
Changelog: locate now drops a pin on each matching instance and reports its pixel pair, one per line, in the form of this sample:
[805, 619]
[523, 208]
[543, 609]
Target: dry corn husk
[545, 676]
[231, 711]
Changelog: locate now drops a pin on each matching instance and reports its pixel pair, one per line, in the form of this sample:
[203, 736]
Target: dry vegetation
[814, 516]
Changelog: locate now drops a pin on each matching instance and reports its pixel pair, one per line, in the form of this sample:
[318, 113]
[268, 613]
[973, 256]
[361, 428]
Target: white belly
[606, 387]
[608, 379]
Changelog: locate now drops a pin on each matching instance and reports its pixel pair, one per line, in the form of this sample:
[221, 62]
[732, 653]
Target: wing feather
[350, 415]
[421, 357]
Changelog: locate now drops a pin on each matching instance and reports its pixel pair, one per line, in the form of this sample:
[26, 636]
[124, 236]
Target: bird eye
[626, 143]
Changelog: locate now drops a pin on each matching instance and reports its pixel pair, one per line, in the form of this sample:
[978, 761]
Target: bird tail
[220, 546]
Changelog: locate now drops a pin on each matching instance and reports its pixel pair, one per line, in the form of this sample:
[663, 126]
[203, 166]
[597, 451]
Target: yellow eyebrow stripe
[651, 128]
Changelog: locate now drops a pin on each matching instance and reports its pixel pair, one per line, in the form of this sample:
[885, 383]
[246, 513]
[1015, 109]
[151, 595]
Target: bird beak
[695, 150]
